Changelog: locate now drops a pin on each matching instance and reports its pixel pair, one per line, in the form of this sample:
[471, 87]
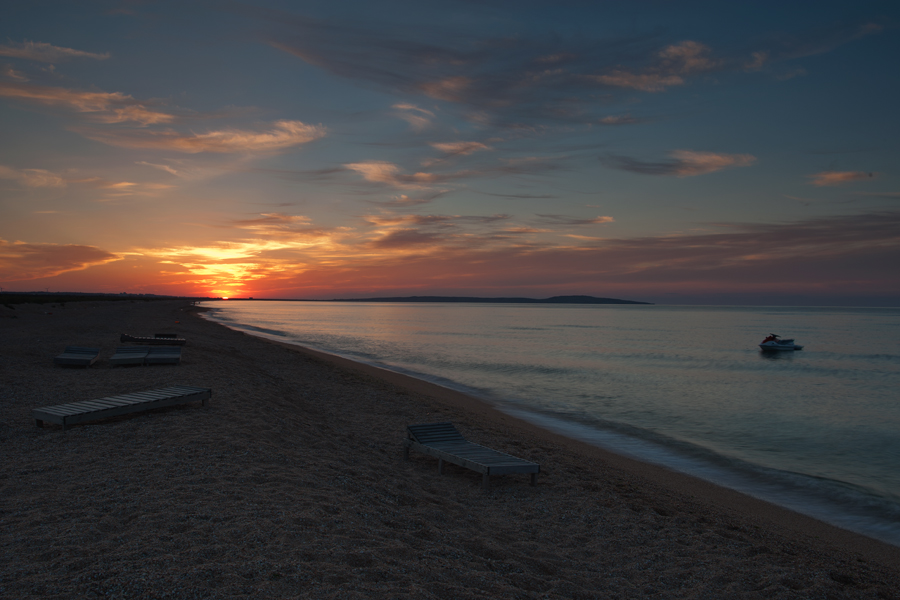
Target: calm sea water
[817, 431]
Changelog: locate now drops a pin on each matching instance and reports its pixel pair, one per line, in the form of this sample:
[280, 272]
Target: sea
[685, 387]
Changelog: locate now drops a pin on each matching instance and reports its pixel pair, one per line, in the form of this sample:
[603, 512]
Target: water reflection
[770, 355]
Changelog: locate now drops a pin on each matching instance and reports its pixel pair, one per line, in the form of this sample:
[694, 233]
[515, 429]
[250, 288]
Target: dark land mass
[10, 298]
[553, 300]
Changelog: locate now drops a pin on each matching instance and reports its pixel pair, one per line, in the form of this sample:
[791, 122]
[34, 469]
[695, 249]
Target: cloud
[280, 136]
[757, 61]
[619, 120]
[379, 171]
[285, 227]
[831, 178]
[847, 254]
[32, 177]
[43, 52]
[405, 238]
[21, 261]
[167, 168]
[513, 79]
[459, 148]
[672, 65]
[101, 107]
[524, 196]
[402, 200]
[448, 253]
[121, 189]
[418, 118]
[565, 220]
[451, 89]
[40, 178]
[891, 195]
[8, 71]
[820, 41]
[391, 219]
[506, 80]
[684, 163]
[387, 173]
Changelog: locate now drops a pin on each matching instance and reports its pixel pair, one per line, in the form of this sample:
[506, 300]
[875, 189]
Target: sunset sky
[669, 152]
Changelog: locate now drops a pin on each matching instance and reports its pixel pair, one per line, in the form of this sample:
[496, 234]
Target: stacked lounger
[129, 355]
[78, 356]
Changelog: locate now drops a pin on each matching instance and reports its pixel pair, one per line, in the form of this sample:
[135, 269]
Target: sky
[669, 152]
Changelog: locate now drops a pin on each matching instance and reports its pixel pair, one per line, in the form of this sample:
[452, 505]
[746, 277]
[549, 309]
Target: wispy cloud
[101, 107]
[504, 81]
[387, 173]
[459, 148]
[33, 178]
[891, 195]
[282, 226]
[42, 178]
[21, 261]
[379, 171]
[44, 52]
[456, 252]
[831, 178]
[418, 118]
[8, 71]
[280, 136]
[684, 163]
[625, 119]
[405, 200]
[566, 220]
[672, 66]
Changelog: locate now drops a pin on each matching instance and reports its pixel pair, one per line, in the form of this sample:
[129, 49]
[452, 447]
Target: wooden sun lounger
[163, 355]
[78, 356]
[156, 340]
[111, 406]
[129, 355]
[446, 443]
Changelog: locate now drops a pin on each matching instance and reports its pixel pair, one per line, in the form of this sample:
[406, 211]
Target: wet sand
[291, 482]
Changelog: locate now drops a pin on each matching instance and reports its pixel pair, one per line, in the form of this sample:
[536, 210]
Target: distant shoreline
[470, 299]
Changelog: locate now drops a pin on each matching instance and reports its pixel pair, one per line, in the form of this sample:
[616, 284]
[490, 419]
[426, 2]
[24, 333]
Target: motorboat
[774, 342]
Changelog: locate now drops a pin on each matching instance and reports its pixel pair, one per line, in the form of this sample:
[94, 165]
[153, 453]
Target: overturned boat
[774, 343]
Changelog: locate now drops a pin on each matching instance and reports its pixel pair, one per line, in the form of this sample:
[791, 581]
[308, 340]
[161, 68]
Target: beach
[291, 482]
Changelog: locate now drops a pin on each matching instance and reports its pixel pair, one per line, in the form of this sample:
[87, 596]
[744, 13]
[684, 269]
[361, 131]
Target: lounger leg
[39, 423]
[486, 482]
[406, 452]
[534, 479]
[440, 466]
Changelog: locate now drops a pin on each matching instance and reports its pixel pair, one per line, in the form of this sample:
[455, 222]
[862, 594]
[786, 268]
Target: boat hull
[774, 347]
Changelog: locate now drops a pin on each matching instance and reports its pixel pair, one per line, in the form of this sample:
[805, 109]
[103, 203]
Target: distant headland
[553, 300]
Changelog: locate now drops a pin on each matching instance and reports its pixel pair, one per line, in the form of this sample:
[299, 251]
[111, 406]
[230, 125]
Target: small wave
[839, 503]
[232, 324]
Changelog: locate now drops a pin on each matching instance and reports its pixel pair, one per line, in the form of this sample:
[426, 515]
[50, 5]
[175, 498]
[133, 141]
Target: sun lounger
[111, 406]
[163, 355]
[446, 443]
[78, 356]
[160, 341]
[129, 355]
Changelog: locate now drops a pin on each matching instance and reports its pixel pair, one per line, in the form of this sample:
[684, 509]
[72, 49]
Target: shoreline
[738, 502]
[291, 483]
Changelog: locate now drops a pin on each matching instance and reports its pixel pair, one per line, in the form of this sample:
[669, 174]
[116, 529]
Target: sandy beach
[291, 483]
